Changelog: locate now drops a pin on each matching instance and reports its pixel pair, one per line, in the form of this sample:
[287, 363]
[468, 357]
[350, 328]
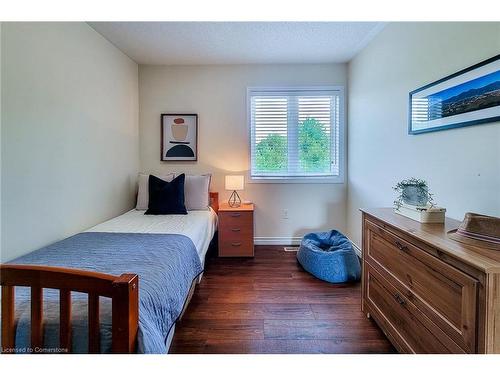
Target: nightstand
[236, 230]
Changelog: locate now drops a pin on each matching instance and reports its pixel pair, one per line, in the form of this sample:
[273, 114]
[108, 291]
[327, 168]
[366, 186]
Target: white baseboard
[356, 248]
[292, 241]
[277, 240]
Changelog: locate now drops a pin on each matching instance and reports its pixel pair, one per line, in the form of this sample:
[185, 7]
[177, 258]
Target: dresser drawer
[411, 330]
[236, 248]
[447, 296]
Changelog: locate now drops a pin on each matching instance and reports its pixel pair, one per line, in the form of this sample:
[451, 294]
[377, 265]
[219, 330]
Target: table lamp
[234, 183]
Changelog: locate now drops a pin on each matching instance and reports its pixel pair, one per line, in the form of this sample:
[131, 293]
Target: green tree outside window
[271, 154]
[314, 146]
[314, 149]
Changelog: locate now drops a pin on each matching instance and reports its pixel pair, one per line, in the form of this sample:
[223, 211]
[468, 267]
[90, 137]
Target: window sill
[295, 180]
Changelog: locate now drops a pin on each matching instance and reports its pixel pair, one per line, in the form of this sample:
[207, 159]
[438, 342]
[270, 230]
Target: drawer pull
[400, 299]
[236, 244]
[236, 214]
[401, 247]
[235, 229]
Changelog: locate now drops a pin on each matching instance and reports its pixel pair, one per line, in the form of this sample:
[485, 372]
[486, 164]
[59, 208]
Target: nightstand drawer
[236, 232]
[236, 248]
[236, 219]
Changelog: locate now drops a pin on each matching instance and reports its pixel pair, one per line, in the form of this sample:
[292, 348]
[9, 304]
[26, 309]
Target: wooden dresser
[236, 230]
[428, 293]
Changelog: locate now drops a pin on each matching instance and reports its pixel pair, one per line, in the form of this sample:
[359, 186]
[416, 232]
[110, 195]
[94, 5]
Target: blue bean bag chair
[329, 256]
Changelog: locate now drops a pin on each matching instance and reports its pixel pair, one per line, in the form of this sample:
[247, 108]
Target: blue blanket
[166, 264]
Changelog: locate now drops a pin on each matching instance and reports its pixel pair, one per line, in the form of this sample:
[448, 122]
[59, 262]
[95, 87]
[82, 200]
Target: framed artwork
[468, 97]
[179, 137]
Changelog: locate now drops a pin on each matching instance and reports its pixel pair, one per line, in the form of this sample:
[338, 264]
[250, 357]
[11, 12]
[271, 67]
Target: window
[296, 134]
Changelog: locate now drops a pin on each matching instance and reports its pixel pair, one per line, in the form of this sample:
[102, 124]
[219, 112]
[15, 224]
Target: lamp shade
[234, 182]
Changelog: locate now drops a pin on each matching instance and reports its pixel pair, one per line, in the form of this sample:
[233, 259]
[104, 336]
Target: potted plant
[413, 191]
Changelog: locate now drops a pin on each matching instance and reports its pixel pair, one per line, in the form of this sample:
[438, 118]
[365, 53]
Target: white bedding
[199, 226]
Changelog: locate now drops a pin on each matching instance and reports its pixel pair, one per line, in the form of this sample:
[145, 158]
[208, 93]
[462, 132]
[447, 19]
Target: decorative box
[422, 214]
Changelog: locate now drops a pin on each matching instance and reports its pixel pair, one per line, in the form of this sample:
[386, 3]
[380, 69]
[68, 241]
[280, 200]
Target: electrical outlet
[285, 213]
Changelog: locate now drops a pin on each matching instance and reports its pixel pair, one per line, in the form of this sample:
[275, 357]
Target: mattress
[199, 226]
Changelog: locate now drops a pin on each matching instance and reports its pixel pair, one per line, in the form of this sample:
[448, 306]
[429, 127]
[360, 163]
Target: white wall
[462, 166]
[69, 138]
[218, 95]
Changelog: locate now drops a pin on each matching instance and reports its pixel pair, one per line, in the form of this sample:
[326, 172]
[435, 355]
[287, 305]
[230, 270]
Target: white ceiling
[195, 43]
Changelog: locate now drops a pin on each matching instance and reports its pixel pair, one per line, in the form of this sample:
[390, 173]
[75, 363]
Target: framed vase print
[179, 137]
[468, 97]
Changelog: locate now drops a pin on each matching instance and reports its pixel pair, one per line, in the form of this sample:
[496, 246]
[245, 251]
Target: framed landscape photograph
[179, 137]
[468, 97]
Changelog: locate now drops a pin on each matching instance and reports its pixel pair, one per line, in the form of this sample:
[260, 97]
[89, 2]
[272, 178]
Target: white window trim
[340, 179]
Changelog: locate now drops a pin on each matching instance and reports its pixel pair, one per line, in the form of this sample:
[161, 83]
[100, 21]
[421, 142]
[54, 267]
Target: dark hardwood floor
[268, 304]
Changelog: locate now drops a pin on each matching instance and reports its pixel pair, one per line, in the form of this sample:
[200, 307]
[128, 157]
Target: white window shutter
[295, 133]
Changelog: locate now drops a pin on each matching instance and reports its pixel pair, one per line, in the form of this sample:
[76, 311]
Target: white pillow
[143, 192]
[196, 190]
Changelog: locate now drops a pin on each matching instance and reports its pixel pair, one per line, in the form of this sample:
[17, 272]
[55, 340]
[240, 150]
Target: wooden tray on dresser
[428, 293]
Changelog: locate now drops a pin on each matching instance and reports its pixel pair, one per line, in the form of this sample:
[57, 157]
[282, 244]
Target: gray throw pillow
[196, 190]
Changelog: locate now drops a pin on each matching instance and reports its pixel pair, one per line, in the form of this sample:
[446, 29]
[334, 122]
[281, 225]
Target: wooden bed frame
[123, 291]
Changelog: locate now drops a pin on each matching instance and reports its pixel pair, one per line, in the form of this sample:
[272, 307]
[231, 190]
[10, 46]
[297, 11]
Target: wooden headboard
[214, 200]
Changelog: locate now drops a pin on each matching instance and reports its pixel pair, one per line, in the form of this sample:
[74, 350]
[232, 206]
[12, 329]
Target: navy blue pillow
[166, 198]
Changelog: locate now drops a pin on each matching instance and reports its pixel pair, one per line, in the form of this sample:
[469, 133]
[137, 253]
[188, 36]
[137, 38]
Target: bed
[199, 226]
[118, 287]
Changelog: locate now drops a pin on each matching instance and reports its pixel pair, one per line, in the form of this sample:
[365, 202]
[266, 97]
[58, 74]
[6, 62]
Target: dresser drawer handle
[401, 247]
[236, 229]
[236, 214]
[236, 244]
[400, 299]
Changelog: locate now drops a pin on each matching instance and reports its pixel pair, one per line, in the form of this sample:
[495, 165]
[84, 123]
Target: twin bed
[117, 287]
